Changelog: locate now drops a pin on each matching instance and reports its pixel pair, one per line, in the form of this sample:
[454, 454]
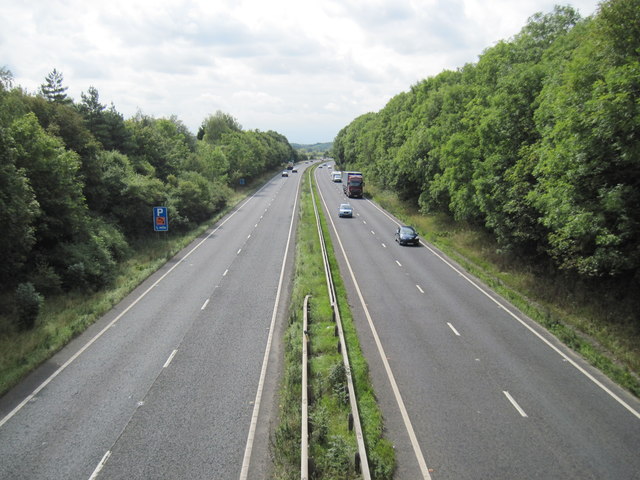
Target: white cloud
[303, 68]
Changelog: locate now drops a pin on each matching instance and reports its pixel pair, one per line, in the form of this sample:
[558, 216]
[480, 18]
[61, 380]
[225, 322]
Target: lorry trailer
[352, 184]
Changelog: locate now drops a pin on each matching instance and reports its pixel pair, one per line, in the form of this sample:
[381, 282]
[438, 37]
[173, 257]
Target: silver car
[345, 210]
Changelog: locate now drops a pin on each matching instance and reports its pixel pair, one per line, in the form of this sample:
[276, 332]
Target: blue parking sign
[160, 219]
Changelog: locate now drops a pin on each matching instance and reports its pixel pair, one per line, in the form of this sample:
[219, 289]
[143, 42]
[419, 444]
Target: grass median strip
[332, 446]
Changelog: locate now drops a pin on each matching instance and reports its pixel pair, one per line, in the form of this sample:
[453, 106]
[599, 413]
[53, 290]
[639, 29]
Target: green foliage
[338, 382]
[337, 461]
[6, 78]
[28, 304]
[195, 199]
[537, 142]
[19, 207]
[217, 125]
[106, 125]
[78, 182]
[588, 169]
[53, 173]
[53, 89]
[160, 143]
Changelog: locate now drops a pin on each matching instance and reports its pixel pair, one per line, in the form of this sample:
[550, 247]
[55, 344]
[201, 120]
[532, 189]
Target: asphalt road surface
[469, 387]
[179, 380]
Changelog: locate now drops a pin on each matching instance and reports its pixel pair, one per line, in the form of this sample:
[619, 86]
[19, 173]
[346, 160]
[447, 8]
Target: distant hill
[316, 147]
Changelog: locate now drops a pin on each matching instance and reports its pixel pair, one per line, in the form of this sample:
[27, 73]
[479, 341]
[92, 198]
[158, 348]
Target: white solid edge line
[527, 326]
[115, 320]
[244, 472]
[394, 386]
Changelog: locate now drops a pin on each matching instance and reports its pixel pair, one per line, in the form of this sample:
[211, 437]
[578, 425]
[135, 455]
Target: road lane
[66, 428]
[454, 385]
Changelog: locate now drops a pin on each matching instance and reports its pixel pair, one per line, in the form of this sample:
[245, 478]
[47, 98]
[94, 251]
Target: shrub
[28, 304]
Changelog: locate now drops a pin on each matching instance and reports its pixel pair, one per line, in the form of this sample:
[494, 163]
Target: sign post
[160, 219]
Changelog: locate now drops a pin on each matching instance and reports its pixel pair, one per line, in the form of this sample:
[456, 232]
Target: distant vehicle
[407, 235]
[345, 210]
[336, 176]
[290, 166]
[295, 170]
[285, 173]
[352, 184]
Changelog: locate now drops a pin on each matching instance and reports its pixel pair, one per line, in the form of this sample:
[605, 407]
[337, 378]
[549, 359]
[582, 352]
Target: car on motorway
[295, 170]
[285, 173]
[406, 235]
[345, 210]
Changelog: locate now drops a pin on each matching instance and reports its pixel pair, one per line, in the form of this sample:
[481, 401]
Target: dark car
[407, 235]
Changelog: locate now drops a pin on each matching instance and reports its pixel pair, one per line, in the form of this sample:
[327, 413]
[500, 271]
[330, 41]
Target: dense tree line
[538, 142]
[78, 181]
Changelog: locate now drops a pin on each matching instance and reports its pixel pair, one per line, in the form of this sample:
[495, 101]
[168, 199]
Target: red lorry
[352, 184]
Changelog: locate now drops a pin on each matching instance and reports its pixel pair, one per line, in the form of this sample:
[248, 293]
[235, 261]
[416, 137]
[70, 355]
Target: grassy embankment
[65, 316]
[604, 331]
[331, 446]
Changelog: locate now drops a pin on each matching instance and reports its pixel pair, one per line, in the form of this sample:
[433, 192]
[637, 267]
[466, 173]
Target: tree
[93, 112]
[53, 173]
[162, 143]
[209, 161]
[216, 125]
[6, 78]
[588, 189]
[195, 199]
[53, 89]
[20, 208]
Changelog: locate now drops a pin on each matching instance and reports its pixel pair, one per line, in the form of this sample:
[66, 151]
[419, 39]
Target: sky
[302, 68]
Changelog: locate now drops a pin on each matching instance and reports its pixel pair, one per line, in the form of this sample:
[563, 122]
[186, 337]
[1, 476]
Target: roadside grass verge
[332, 446]
[65, 316]
[604, 332]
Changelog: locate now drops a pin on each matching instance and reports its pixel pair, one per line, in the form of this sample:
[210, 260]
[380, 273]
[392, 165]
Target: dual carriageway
[180, 380]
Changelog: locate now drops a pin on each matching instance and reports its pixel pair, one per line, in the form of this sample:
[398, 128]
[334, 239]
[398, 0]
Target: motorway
[469, 387]
[179, 379]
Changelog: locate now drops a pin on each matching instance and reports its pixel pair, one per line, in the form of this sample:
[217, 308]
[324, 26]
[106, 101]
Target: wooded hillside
[78, 183]
[538, 142]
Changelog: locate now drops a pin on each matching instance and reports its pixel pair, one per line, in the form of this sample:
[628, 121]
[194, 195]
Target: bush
[338, 382]
[28, 304]
[45, 279]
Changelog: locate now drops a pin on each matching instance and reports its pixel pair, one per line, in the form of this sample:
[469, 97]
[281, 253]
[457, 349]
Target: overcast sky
[302, 68]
